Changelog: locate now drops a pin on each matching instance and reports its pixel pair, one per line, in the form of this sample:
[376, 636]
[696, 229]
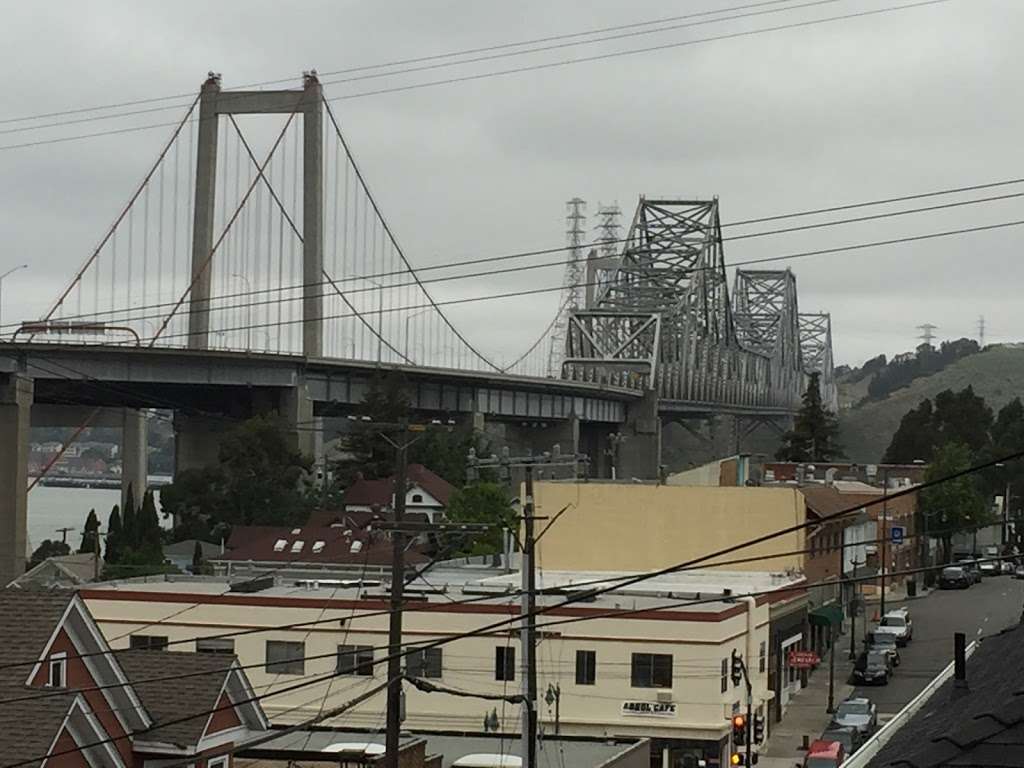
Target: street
[985, 608]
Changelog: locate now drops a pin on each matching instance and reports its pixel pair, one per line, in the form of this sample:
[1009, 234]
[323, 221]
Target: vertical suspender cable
[160, 242]
[145, 255]
[334, 239]
[280, 257]
[131, 249]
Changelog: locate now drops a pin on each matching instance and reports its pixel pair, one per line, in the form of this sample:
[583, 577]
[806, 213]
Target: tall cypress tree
[147, 528]
[128, 522]
[115, 536]
[90, 534]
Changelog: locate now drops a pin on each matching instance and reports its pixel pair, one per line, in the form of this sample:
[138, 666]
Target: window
[505, 663]
[652, 670]
[285, 658]
[147, 642]
[425, 662]
[318, 547]
[218, 762]
[586, 667]
[280, 544]
[355, 660]
[224, 645]
[356, 548]
[762, 657]
[58, 670]
[417, 498]
[725, 675]
[297, 546]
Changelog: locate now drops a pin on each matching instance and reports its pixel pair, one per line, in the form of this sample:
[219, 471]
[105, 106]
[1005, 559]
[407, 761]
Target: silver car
[856, 713]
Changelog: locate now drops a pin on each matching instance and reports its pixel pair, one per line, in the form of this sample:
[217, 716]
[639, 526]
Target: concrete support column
[640, 452]
[202, 222]
[196, 441]
[15, 414]
[312, 218]
[296, 408]
[134, 455]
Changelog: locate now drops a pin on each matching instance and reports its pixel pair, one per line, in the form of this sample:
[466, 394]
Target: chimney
[960, 686]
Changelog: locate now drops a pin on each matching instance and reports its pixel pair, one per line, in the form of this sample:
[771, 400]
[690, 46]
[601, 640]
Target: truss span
[660, 318]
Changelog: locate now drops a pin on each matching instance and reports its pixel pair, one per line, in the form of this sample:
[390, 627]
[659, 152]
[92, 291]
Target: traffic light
[737, 758]
[737, 668]
[758, 726]
[739, 731]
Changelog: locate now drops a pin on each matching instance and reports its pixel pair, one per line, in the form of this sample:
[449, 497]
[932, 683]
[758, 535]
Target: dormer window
[417, 498]
[280, 544]
[297, 546]
[58, 671]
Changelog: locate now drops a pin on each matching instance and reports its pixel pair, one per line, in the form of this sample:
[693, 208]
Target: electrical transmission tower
[609, 228]
[927, 333]
[573, 290]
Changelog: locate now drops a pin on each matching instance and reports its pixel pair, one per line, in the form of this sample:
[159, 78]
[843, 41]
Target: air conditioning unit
[665, 696]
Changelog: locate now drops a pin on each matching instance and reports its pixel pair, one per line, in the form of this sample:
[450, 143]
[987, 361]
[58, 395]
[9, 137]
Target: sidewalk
[805, 714]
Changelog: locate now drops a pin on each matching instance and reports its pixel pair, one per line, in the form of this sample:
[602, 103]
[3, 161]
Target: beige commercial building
[648, 661]
[631, 527]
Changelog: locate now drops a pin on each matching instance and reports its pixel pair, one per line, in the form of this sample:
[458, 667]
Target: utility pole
[854, 603]
[528, 633]
[831, 670]
[64, 534]
[394, 697]
[885, 517]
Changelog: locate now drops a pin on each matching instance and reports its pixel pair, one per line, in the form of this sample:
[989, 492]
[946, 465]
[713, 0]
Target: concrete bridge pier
[16, 392]
[134, 455]
[639, 453]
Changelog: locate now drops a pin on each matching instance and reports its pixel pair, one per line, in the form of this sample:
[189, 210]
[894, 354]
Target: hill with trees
[867, 426]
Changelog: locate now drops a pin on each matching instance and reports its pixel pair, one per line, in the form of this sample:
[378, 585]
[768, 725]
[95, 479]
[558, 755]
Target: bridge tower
[212, 104]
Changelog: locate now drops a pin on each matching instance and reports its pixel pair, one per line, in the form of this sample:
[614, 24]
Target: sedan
[874, 667]
[1006, 567]
[883, 641]
[954, 577]
[860, 714]
[850, 738]
[988, 568]
[1019, 572]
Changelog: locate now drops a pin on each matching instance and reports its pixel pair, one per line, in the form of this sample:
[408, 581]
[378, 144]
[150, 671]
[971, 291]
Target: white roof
[485, 760]
[355, 747]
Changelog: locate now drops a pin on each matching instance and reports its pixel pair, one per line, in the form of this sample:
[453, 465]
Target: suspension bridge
[253, 271]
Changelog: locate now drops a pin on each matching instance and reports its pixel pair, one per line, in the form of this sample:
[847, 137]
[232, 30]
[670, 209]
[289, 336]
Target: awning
[826, 615]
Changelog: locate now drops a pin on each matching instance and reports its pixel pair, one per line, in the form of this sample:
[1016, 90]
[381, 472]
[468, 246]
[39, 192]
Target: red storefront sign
[803, 659]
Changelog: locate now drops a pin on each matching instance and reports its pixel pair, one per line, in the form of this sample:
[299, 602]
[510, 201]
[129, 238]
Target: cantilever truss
[816, 348]
[747, 354]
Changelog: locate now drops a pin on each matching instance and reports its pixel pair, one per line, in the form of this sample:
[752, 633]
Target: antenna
[927, 333]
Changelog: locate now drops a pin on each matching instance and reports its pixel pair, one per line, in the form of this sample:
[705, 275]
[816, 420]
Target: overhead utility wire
[536, 291]
[518, 70]
[399, 62]
[227, 96]
[521, 255]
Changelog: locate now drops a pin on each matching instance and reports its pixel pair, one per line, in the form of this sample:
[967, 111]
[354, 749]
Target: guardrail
[863, 756]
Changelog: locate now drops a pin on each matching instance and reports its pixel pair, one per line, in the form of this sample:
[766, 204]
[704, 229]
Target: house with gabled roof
[68, 701]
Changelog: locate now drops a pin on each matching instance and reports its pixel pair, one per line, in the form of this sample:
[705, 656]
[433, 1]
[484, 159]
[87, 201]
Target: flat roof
[567, 752]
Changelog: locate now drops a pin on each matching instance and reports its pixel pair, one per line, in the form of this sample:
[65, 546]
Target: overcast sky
[892, 104]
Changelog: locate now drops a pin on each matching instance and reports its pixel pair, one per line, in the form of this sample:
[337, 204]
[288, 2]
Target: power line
[544, 251]
[399, 62]
[445, 64]
[530, 68]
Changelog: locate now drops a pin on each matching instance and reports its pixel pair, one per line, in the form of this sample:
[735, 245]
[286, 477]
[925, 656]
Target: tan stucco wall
[622, 527]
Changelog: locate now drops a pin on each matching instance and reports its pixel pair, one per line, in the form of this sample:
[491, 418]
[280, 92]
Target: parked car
[954, 577]
[1018, 573]
[1006, 567]
[898, 624]
[859, 713]
[824, 754]
[883, 641]
[970, 567]
[873, 667]
[988, 568]
[850, 738]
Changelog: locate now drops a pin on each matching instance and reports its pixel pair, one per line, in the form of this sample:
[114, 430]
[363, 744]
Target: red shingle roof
[319, 544]
[370, 493]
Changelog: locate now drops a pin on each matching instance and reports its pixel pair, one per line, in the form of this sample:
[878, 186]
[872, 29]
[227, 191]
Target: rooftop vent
[356, 548]
[252, 585]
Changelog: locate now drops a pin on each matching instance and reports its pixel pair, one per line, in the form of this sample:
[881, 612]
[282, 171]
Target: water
[53, 508]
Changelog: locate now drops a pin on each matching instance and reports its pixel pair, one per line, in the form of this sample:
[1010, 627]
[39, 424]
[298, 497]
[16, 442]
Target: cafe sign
[649, 708]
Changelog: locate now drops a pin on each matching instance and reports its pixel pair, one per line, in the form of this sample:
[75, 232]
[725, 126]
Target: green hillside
[997, 374]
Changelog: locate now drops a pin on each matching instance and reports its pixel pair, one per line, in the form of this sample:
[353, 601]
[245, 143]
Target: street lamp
[407, 319]
[248, 306]
[5, 274]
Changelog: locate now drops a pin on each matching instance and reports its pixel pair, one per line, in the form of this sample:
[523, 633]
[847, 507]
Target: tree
[129, 537]
[814, 433]
[48, 548]
[954, 505]
[115, 535]
[486, 503]
[257, 482]
[385, 402]
[915, 438]
[147, 529]
[90, 534]
[962, 417]
[198, 561]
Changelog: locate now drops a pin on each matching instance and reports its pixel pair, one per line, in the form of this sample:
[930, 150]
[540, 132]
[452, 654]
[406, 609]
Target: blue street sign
[897, 532]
